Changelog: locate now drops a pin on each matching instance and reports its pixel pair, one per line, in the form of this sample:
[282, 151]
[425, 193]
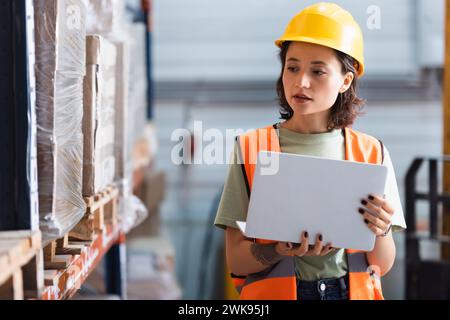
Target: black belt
[323, 285]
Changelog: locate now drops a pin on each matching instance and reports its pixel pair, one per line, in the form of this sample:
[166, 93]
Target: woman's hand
[377, 213]
[303, 249]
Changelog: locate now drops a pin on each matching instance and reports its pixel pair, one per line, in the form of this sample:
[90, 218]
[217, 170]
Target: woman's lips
[301, 99]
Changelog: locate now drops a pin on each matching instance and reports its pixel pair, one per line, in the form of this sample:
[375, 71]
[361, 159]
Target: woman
[322, 59]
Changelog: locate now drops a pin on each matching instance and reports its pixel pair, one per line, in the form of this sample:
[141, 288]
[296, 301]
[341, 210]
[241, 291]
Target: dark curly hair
[348, 105]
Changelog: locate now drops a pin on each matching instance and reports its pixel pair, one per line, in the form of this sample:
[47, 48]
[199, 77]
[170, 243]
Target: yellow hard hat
[329, 25]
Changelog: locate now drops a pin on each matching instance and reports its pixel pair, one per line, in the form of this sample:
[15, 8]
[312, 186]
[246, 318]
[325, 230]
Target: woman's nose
[302, 81]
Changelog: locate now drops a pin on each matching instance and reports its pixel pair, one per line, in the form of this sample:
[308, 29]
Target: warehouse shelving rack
[147, 8]
[423, 273]
[18, 167]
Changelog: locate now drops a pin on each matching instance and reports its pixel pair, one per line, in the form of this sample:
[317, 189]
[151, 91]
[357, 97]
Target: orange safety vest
[278, 282]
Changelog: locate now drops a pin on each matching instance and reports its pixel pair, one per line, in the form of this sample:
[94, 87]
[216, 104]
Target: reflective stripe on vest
[279, 281]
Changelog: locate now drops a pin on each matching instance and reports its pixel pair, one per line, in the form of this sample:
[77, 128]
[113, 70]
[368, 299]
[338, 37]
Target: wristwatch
[387, 231]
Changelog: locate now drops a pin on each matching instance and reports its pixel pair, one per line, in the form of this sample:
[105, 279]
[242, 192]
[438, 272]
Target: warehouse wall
[203, 40]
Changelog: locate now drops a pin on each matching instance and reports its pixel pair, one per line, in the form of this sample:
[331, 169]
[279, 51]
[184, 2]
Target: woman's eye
[318, 72]
[292, 69]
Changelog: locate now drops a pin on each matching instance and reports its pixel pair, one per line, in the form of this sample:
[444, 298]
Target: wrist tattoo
[265, 253]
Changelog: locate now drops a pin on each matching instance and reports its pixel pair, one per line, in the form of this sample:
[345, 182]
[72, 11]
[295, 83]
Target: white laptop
[319, 195]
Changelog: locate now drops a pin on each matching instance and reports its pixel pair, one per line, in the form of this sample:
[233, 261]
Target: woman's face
[313, 78]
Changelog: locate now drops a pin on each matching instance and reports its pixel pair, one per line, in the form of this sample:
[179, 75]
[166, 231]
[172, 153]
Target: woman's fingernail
[361, 211]
[320, 237]
[364, 202]
[366, 221]
[371, 197]
[306, 234]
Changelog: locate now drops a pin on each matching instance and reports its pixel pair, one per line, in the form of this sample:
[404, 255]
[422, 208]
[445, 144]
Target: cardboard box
[99, 115]
[60, 67]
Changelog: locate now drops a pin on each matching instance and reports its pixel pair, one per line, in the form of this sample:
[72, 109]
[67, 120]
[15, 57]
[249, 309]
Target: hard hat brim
[322, 42]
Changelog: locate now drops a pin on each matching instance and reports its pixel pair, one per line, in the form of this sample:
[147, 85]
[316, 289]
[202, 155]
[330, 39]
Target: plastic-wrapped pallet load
[103, 18]
[60, 68]
[131, 210]
[135, 211]
[138, 91]
[99, 115]
[103, 15]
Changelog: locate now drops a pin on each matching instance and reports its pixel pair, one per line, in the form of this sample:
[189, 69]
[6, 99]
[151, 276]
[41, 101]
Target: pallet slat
[69, 260]
[21, 272]
[64, 283]
[103, 204]
[101, 209]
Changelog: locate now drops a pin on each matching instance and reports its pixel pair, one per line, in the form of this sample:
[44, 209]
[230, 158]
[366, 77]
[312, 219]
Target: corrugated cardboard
[99, 115]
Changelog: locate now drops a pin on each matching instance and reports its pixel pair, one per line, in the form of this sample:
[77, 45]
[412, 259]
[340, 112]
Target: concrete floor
[407, 128]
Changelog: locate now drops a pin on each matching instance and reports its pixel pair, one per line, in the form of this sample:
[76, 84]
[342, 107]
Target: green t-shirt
[234, 202]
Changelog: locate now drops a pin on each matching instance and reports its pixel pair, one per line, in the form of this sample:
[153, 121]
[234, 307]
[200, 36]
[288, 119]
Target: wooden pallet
[64, 283]
[21, 265]
[101, 210]
[58, 253]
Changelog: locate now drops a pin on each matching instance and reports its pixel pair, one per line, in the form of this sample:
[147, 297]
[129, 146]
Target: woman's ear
[348, 80]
